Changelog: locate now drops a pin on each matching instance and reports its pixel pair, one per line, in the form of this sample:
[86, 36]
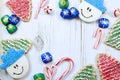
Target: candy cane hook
[50, 71]
[116, 12]
[41, 5]
[100, 32]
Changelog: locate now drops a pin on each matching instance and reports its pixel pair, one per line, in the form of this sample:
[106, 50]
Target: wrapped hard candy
[5, 20]
[74, 12]
[48, 10]
[63, 4]
[13, 19]
[65, 13]
[46, 57]
[117, 12]
[103, 23]
[39, 76]
[11, 28]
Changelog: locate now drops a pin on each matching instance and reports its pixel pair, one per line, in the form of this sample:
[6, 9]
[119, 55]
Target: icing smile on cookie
[20, 72]
[84, 15]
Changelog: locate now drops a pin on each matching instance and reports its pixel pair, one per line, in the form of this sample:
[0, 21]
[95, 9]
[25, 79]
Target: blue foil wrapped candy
[13, 19]
[74, 12]
[46, 57]
[103, 23]
[65, 13]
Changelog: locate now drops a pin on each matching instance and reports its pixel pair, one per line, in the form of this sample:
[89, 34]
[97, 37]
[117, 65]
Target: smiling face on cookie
[20, 68]
[88, 12]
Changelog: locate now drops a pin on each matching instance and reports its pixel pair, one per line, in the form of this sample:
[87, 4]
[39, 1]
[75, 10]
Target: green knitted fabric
[113, 38]
[87, 73]
[16, 44]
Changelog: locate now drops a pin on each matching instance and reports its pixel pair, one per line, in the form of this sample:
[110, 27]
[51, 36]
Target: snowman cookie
[91, 10]
[15, 63]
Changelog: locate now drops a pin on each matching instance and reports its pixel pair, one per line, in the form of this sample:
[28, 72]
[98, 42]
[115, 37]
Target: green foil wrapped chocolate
[11, 28]
[39, 76]
[5, 20]
[63, 4]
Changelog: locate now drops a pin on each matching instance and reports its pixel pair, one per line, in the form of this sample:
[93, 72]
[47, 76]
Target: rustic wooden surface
[62, 38]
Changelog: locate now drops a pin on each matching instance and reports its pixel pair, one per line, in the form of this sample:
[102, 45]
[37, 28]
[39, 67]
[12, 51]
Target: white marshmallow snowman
[19, 68]
[15, 63]
[91, 10]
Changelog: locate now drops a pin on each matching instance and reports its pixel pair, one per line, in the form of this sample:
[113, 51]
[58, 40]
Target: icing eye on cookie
[88, 8]
[15, 66]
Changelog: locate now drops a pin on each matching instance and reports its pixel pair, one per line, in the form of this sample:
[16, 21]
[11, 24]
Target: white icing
[20, 70]
[86, 15]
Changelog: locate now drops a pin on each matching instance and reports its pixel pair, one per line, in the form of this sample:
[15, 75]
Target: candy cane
[41, 5]
[51, 70]
[117, 12]
[100, 31]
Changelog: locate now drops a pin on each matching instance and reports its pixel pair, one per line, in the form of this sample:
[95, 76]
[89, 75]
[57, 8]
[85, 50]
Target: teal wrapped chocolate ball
[5, 20]
[46, 57]
[11, 28]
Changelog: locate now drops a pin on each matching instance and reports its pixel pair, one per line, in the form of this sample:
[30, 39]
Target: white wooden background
[62, 38]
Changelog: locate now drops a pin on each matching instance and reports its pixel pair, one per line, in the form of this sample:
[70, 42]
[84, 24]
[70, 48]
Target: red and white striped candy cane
[51, 70]
[41, 5]
[100, 32]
